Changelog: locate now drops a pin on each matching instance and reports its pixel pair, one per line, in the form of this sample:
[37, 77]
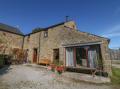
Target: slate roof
[55, 25]
[42, 29]
[7, 28]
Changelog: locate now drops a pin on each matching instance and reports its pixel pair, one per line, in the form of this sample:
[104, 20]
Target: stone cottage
[64, 43]
[11, 37]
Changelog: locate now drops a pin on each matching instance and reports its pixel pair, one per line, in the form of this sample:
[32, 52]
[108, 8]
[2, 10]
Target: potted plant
[53, 66]
[60, 69]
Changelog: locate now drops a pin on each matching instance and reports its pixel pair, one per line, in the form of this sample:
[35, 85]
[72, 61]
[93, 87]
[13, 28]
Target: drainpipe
[65, 57]
[87, 57]
[39, 48]
[74, 57]
[23, 42]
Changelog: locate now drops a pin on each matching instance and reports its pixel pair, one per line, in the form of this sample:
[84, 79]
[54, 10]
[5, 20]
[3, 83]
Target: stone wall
[63, 35]
[107, 64]
[31, 42]
[11, 40]
[70, 36]
[45, 45]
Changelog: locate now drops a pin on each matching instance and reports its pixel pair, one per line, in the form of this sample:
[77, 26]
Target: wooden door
[56, 56]
[35, 55]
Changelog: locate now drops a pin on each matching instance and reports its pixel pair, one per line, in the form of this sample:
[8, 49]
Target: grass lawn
[116, 76]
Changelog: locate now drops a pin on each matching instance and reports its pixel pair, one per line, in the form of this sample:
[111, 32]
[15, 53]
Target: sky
[100, 17]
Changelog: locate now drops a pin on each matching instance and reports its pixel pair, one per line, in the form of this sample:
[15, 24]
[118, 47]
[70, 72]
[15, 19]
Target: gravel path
[28, 77]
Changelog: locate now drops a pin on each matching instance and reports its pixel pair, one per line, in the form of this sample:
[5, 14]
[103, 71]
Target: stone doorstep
[86, 78]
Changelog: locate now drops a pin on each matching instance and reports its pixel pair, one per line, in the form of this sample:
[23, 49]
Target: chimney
[66, 18]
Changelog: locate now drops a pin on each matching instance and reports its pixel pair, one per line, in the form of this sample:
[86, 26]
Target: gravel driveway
[28, 77]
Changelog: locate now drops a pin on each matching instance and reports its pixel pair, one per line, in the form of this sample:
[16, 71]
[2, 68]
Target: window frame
[45, 34]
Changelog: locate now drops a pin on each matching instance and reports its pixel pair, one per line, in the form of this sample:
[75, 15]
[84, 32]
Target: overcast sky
[100, 17]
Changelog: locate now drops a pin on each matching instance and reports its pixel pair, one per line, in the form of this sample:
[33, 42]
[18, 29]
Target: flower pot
[53, 67]
[60, 69]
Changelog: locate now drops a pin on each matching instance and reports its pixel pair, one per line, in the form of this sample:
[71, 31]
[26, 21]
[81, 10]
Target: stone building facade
[11, 38]
[64, 43]
[60, 37]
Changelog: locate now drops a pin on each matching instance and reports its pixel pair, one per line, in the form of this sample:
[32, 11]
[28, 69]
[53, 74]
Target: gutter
[82, 44]
[23, 43]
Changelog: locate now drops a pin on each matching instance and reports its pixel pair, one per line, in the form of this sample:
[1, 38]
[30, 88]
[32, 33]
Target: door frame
[35, 55]
[73, 55]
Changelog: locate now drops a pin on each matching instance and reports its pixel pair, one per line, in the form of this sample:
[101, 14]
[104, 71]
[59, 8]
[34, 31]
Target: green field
[116, 76]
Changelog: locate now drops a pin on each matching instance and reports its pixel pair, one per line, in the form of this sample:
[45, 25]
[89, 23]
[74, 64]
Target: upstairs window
[56, 55]
[45, 34]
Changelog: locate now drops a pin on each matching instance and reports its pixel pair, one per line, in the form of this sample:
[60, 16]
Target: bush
[5, 60]
[1, 60]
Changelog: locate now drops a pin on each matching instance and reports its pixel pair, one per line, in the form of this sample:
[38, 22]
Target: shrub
[1, 60]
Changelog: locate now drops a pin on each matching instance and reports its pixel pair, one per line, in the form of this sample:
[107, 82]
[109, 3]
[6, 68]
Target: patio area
[37, 77]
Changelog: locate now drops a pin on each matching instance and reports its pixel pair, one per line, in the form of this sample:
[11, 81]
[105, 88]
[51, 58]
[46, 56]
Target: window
[56, 55]
[46, 34]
